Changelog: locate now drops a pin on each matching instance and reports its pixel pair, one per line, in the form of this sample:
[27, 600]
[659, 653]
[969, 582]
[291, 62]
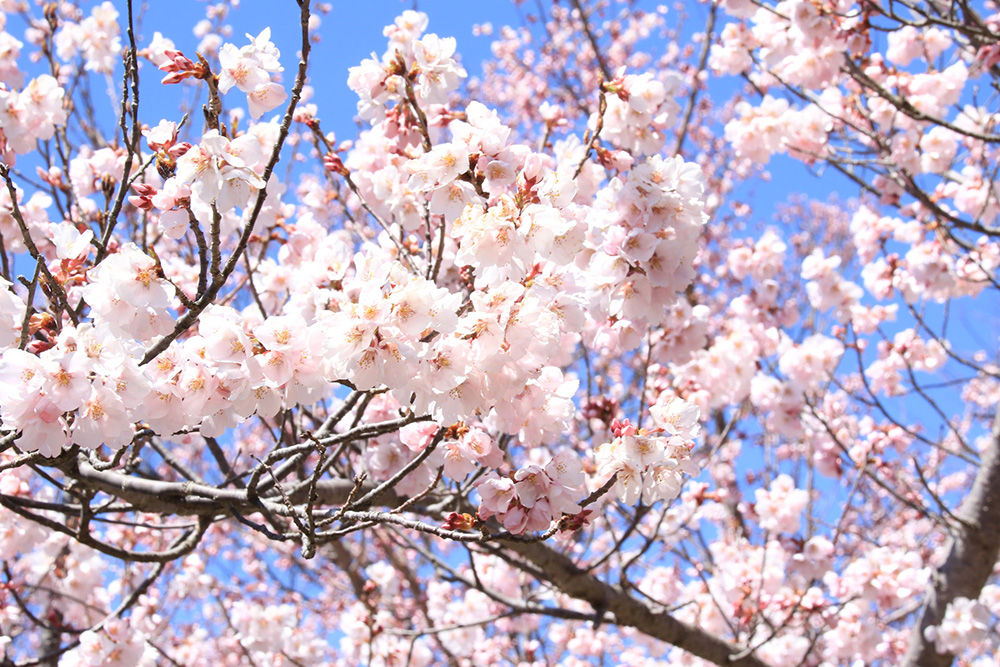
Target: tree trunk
[975, 545]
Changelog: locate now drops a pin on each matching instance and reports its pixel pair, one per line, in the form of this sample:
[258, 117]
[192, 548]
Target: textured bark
[975, 545]
[629, 611]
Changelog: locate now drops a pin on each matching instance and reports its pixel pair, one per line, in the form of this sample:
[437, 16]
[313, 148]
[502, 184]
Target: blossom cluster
[250, 69]
[83, 389]
[380, 84]
[780, 506]
[644, 229]
[219, 172]
[115, 645]
[31, 114]
[96, 38]
[965, 622]
[640, 110]
[533, 496]
[649, 464]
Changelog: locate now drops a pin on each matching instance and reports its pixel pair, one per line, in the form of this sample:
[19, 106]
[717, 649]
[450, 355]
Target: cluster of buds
[333, 163]
[180, 67]
[456, 521]
[620, 427]
[53, 176]
[143, 197]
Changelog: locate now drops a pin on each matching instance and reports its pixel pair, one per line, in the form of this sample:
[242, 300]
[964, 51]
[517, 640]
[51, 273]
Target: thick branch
[973, 552]
[603, 597]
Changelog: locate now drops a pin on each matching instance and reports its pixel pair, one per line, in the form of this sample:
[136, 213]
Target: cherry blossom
[31, 114]
[965, 622]
[544, 360]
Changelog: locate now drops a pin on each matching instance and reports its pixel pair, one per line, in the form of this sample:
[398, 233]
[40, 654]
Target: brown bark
[629, 611]
[975, 545]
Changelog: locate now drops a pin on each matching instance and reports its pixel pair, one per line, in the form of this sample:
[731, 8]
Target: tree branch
[575, 582]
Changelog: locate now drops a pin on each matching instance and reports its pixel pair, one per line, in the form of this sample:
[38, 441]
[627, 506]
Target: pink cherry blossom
[632, 319]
